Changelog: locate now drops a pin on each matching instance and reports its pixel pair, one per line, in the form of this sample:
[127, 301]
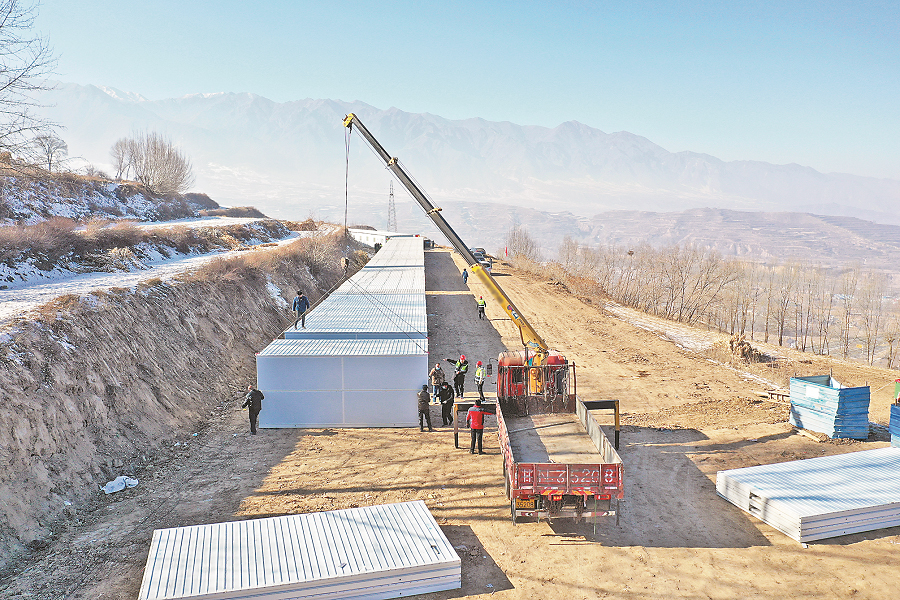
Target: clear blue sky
[813, 82]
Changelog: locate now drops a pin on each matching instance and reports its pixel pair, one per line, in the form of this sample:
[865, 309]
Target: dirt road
[686, 419]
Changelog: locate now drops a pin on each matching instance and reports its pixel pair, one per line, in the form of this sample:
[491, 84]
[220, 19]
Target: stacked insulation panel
[363, 355]
[385, 551]
[821, 497]
[820, 403]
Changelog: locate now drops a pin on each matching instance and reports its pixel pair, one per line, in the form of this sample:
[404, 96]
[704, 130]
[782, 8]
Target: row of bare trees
[845, 312]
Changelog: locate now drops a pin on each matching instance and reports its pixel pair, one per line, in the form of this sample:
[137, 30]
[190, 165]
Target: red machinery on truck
[557, 462]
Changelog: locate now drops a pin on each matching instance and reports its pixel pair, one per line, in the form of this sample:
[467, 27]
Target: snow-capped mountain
[288, 159]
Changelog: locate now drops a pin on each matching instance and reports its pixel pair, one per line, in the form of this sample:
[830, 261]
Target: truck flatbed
[551, 438]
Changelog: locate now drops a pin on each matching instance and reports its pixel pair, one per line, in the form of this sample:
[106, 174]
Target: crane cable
[346, 184]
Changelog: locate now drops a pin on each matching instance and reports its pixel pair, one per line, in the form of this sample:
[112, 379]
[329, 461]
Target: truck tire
[512, 509]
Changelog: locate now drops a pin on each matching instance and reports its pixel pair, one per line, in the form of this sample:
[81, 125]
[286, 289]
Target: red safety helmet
[478, 364]
[462, 357]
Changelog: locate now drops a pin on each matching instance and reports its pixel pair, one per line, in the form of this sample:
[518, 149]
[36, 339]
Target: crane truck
[557, 462]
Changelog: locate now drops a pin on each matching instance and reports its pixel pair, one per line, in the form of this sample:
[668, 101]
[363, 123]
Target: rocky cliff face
[100, 385]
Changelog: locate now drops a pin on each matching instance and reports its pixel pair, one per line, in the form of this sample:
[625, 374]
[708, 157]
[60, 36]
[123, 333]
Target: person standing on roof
[301, 305]
[479, 379]
[445, 395]
[424, 411]
[481, 306]
[475, 421]
[437, 378]
[465, 275]
[253, 401]
[460, 368]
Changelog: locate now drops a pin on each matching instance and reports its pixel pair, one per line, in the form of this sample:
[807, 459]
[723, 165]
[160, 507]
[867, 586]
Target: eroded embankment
[96, 385]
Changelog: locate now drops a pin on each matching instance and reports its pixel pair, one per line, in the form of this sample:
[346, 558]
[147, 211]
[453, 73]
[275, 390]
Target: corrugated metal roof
[376, 313]
[346, 347]
[386, 280]
[827, 484]
[330, 554]
[399, 252]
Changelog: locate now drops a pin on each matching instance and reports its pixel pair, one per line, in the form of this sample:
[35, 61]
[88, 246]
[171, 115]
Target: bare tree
[121, 153]
[159, 165]
[847, 296]
[521, 246]
[568, 255]
[25, 61]
[871, 312]
[51, 150]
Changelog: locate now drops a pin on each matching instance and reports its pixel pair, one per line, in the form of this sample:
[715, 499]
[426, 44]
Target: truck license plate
[525, 503]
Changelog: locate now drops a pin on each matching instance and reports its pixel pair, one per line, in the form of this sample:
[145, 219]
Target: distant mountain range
[288, 159]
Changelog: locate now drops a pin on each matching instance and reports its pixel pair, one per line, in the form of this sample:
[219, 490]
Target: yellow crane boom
[532, 341]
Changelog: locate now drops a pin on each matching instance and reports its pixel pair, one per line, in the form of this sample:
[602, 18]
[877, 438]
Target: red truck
[557, 462]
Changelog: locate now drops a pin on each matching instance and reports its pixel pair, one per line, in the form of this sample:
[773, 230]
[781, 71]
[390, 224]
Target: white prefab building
[341, 382]
[384, 551]
[362, 357]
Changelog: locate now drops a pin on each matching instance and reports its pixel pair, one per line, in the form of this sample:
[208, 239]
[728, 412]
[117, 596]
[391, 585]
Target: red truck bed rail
[570, 490]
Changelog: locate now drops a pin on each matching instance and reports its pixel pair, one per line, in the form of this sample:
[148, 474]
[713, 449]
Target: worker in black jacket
[445, 395]
[460, 368]
[253, 401]
[424, 410]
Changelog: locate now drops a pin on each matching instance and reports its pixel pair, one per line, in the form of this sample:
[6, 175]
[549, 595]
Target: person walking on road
[475, 421]
[445, 395]
[481, 306]
[301, 305]
[253, 401]
[460, 368]
[437, 378]
[424, 410]
[465, 276]
[479, 379]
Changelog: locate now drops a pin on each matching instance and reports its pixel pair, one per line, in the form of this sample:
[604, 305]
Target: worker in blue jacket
[301, 305]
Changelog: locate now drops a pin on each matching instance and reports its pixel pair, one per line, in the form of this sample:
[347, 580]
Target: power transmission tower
[392, 211]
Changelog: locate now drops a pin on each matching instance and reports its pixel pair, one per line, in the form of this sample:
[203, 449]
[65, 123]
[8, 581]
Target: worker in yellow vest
[481, 306]
[479, 379]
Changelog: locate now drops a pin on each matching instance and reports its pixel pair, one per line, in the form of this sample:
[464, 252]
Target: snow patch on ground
[275, 293]
[29, 295]
[683, 336]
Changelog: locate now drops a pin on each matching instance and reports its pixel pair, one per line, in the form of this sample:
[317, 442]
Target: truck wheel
[512, 509]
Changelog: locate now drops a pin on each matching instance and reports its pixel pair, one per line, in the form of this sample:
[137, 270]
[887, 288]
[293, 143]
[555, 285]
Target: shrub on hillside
[201, 200]
[245, 212]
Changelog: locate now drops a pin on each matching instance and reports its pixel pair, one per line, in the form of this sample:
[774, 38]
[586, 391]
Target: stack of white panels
[341, 382]
[823, 497]
[385, 551]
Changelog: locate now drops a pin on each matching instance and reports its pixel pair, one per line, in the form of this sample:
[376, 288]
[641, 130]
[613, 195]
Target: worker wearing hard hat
[479, 379]
[460, 368]
[481, 306]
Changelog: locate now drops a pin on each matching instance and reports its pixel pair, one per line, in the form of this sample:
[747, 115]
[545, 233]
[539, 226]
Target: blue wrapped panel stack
[895, 425]
[820, 403]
